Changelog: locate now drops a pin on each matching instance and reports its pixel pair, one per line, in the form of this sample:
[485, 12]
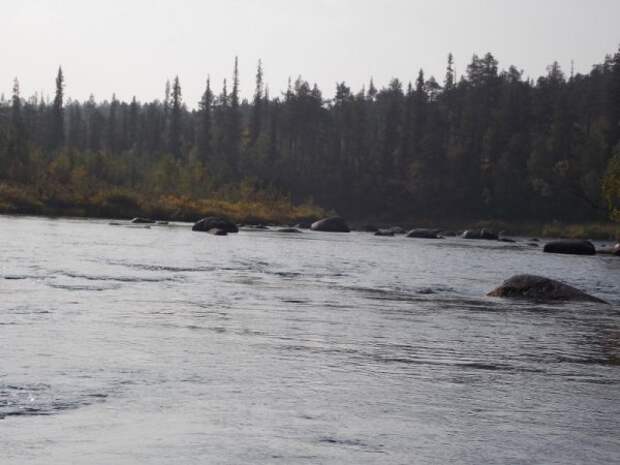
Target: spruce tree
[175, 139]
[204, 136]
[58, 124]
[448, 83]
[257, 105]
[234, 123]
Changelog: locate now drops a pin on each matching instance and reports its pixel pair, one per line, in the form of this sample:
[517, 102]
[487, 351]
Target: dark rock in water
[616, 250]
[424, 233]
[532, 244]
[506, 239]
[529, 286]
[575, 247]
[449, 233]
[426, 291]
[534, 239]
[385, 232]
[303, 225]
[139, 220]
[479, 234]
[218, 232]
[333, 224]
[397, 230]
[288, 230]
[213, 222]
[369, 228]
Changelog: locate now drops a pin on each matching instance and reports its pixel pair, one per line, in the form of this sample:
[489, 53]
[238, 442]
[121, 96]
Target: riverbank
[254, 209]
[124, 204]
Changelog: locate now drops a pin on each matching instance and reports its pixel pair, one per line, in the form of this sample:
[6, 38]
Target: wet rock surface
[573, 247]
[333, 224]
[527, 286]
[213, 222]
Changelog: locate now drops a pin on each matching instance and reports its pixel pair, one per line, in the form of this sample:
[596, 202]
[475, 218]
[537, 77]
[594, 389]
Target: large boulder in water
[333, 224]
[479, 234]
[423, 233]
[575, 247]
[616, 250]
[529, 286]
[214, 222]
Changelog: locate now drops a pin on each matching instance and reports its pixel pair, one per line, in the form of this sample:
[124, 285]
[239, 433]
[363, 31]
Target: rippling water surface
[128, 345]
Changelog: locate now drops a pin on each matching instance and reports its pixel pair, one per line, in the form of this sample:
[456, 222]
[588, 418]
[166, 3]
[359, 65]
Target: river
[132, 345]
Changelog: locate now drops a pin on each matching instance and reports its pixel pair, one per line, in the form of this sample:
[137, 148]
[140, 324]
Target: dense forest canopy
[489, 144]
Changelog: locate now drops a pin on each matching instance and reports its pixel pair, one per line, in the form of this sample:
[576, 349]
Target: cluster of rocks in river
[221, 227]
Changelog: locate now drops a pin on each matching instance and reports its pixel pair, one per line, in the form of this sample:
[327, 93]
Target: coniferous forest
[490, 144]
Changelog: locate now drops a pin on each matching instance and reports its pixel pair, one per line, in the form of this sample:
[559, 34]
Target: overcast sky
[131, 46]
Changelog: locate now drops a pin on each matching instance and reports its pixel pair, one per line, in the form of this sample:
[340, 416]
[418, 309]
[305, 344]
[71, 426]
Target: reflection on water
[124, 345]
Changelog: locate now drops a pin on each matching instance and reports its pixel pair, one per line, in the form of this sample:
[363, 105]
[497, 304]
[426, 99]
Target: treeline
[489, 144]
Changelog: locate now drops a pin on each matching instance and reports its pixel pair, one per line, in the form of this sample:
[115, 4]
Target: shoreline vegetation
[251, 207]
[248, 207]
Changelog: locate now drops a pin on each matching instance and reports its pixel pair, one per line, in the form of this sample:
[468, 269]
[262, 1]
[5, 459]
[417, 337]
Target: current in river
[159, 345]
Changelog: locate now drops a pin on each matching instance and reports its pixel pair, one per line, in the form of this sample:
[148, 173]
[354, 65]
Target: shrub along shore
[255, 207]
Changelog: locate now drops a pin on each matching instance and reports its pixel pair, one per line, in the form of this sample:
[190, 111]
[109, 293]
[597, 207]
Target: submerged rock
[253, 227]
[479, 234]
[333, 224]
[385, 233]
[397, 230]
[529, 286]
[304, 224]
[575, 247]
[616, 250]
[288, 230]
[507, 239]
[213, 222]
[369, 228]
[139, 220]
[426, 291]
[218, 232]
[423, 233]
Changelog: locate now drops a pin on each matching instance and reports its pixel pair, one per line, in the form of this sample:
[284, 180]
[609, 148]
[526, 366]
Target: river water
[127, 345]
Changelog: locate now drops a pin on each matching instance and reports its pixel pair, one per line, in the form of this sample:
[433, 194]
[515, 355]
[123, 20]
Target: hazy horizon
[123, 50]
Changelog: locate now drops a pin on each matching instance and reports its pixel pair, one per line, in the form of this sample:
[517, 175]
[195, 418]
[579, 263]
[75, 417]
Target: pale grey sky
[131, 46]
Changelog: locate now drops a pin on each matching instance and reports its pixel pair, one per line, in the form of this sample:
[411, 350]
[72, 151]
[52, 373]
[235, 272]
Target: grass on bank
[124, 203]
